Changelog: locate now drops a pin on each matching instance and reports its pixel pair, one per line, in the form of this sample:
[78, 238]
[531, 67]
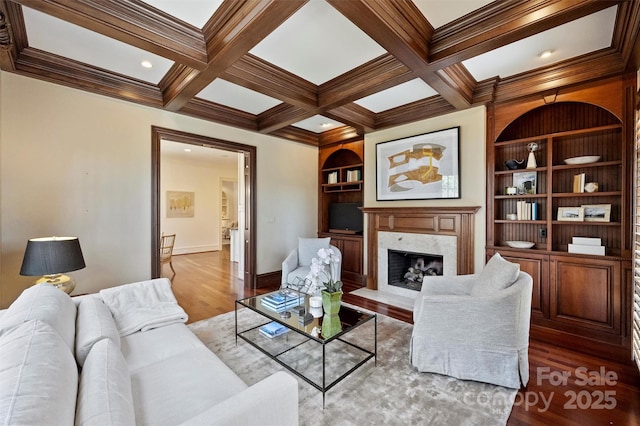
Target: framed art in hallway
[180, 204]
[420, 167]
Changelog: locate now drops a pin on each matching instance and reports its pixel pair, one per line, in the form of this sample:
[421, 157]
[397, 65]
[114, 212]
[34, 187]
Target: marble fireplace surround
[440, 229]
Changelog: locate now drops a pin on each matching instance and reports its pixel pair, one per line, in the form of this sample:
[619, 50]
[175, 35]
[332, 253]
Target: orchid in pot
[322, 279]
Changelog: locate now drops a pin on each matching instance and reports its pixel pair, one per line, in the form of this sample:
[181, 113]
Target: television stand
[344, 231]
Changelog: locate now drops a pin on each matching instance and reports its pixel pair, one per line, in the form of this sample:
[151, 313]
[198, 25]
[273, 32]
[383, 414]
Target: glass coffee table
[322, 361]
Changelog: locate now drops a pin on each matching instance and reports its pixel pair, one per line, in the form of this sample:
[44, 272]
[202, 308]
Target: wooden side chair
[166, 251]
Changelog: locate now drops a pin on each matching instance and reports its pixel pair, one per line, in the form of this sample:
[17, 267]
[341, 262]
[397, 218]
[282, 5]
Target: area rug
[388, 392]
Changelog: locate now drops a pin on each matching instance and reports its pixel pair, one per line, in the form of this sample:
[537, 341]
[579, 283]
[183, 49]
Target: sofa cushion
[497, 275]
[308, 249]
[104, 394]
[46, 303]
[178, 388]
[93, 323]
[38, 376]
[148, 347]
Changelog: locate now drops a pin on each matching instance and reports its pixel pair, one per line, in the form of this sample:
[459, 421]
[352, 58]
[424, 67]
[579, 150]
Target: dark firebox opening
[407, 269]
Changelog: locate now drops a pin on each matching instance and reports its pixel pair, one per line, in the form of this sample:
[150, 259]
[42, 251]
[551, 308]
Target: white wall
[76, 163]
[472, 124]
[203, 178]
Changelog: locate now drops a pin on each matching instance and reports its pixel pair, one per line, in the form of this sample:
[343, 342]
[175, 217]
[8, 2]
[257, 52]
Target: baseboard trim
[270, 280]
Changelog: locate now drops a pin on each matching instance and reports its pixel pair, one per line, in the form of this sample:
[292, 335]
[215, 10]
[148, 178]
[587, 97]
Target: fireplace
[407, 269]
[439, 231]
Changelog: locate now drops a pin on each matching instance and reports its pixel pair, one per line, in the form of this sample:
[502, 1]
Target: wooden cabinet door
[585, 292]
[537, 266]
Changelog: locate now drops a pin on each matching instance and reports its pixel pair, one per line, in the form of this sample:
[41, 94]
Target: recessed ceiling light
[545, 53]
[325, 125]
[146, 64]
[187, 150]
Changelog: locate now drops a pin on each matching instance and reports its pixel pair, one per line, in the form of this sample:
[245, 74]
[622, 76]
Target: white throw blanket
[143, 306]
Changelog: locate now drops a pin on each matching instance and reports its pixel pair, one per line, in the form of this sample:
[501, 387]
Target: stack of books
[273, 329]
[282, 300]
[526, 211]
[584, 245]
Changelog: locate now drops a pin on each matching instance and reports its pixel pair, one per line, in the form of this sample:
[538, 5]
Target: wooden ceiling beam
[399, 27]
[574, 71]
[378, 74]
[297, 134]
[220, 113]
[500, 23]
[56, 69]
[234, 29]
[261, 76]
[625, 35]
[419, 110]
[404, 32]
[281, 116]
[360, 118]
[133, 22]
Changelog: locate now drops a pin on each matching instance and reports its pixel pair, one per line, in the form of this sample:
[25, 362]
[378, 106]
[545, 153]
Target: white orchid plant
[327, 259]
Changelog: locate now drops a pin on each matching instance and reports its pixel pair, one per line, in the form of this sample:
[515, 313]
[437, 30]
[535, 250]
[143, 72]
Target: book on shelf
[273, 329]
[526, 210]
[332, 177]
[578, 183]
[353, 175]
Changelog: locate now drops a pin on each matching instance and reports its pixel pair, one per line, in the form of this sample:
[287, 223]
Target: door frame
[249, 153]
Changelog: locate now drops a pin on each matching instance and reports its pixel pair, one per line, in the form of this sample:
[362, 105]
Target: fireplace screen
[407, 269]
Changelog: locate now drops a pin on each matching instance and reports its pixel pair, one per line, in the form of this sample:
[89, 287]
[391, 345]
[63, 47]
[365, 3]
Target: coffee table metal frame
[254, 304]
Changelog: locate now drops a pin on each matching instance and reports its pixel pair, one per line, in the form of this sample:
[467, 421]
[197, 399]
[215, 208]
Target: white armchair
[475, 327]
[297, 264]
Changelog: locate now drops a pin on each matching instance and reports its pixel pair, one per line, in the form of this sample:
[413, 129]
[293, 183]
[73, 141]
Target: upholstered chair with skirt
[475, 327]
[297, 264]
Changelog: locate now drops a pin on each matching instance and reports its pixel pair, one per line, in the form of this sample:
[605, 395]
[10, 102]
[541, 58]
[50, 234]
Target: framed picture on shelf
[597, 212]
[420, 167]
[571, 214]
[525, 182]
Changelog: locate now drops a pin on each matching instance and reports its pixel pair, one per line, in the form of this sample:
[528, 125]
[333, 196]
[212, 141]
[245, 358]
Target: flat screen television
[345, 217]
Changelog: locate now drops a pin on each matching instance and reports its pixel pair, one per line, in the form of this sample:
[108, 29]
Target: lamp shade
[52, 255]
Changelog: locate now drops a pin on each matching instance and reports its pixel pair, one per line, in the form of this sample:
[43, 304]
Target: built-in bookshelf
[577, 248]
[341, 181]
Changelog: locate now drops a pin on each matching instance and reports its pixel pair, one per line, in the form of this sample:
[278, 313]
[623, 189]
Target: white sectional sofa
[63, 361]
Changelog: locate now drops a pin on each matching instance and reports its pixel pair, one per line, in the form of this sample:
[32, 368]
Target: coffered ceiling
[318, 71]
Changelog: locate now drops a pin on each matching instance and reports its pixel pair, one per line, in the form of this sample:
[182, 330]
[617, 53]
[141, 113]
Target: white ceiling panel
[194, 12]
[62, 38]
[318, 124]
[396, 96]
[567, 41]
[440, 12]
[317, 43]
[238, 97]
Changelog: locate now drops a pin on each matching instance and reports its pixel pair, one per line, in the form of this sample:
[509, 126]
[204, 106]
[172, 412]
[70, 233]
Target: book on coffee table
[273, 329]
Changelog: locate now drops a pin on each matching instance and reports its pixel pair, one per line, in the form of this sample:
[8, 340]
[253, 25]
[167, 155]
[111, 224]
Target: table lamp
[51, 257]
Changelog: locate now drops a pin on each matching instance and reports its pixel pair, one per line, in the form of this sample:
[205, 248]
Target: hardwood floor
[565, 387]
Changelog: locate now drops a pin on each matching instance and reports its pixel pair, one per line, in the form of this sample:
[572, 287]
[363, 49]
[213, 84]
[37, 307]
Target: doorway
[246, 198]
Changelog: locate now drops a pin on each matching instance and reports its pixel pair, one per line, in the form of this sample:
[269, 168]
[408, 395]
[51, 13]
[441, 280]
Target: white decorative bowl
[520, 244]
[582, 160]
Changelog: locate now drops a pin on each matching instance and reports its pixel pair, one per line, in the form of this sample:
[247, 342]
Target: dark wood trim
[415, 50]
[455, 221]
[270, 280]
[160, 133]
[500, 23]
[235, 28]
